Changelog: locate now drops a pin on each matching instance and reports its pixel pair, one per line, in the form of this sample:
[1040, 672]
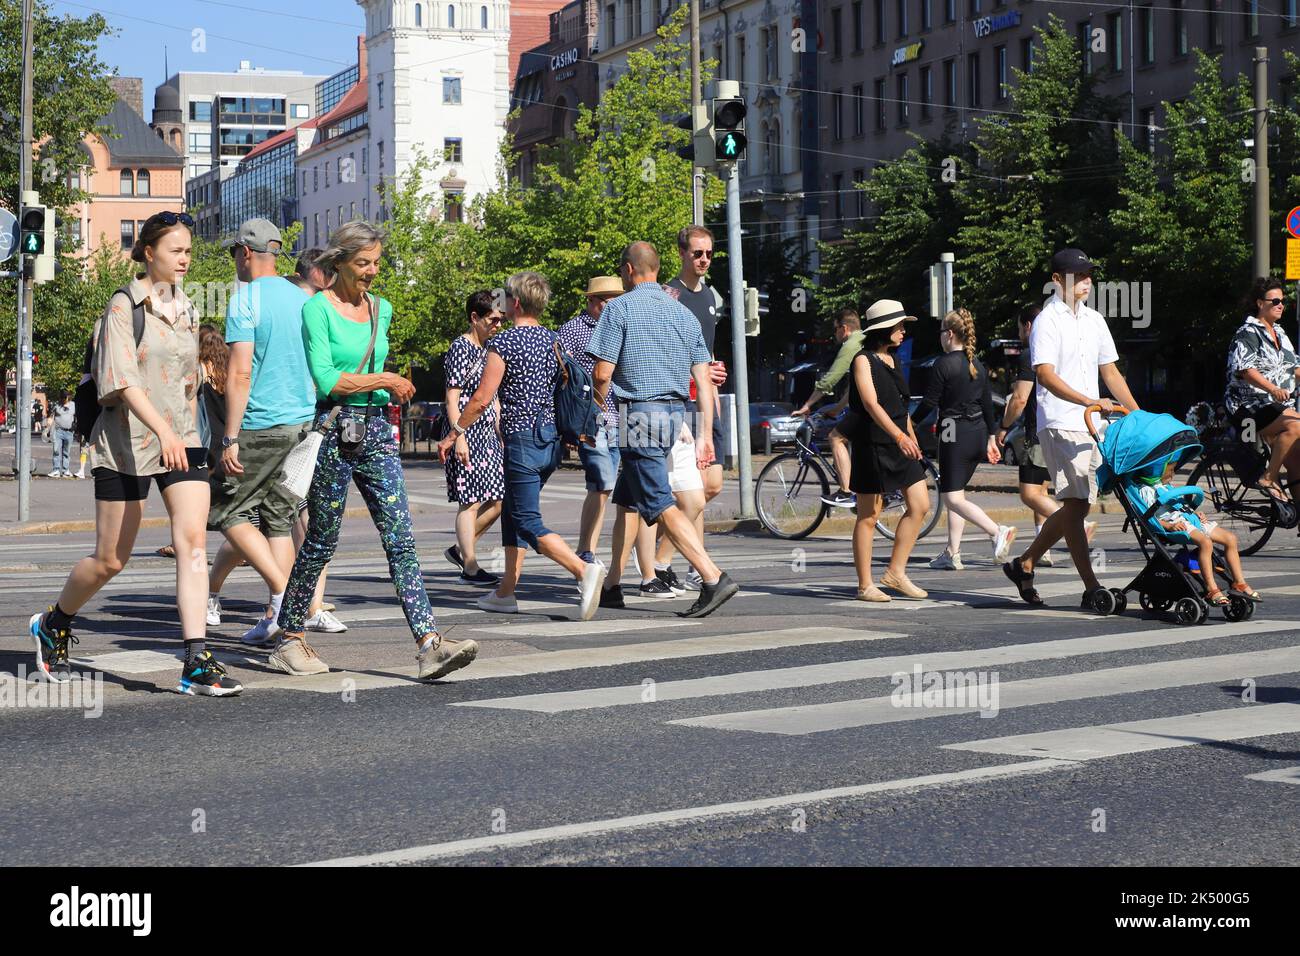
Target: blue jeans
[531, 457]
[645, 444]
[601, 463]
[62, 448]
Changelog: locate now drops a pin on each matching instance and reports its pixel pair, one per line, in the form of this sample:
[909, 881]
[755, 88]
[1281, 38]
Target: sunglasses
[702, 254]
[172, 218]
[1274, 301]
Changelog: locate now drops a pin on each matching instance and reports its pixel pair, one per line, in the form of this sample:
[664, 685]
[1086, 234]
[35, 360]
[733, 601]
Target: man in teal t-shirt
[270, 404]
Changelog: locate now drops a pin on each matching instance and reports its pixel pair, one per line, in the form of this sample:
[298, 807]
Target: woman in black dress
[886, 456]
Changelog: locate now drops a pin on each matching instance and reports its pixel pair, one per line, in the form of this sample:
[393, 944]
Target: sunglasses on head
[702, 254]
[172, 218]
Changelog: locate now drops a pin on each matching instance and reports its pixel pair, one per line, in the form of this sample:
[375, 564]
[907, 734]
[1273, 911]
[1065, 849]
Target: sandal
[1217, 598]
[166, 551]
[1245, 590]
[1023, 580]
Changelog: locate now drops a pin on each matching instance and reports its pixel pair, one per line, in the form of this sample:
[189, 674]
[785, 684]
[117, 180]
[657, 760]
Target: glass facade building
[263, 186]
[330, 91]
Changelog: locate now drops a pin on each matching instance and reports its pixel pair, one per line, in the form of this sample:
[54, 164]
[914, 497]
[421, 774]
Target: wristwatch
[227, 442]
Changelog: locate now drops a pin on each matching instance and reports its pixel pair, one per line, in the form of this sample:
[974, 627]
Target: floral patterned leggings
[377, 471]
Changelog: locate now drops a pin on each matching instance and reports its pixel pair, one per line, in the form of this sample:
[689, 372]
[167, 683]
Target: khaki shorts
[1071, 459]
[257, 496]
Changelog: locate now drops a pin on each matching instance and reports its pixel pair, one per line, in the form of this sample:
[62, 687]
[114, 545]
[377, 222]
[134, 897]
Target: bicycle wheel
[1244, 510]
[893, 508]
[788, 495]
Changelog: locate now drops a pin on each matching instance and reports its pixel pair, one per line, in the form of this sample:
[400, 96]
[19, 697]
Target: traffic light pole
[697, 103]
[739, 361]
[23, 368]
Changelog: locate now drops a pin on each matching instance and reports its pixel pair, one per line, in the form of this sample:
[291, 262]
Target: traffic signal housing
[755, 308]
[37, 233]
[729, 139]
[699, 151]
[32, 230]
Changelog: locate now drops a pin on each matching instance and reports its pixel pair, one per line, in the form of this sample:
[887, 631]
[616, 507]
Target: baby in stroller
[1180, 518]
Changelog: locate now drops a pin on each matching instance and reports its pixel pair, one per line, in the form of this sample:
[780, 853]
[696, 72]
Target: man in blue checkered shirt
[647, 346]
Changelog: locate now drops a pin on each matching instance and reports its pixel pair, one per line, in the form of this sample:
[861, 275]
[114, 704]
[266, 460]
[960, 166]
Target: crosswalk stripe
[1085, 685]
[595, 828]
[878, 667]
[567, 628]
[1141, 736]
[1285, 775]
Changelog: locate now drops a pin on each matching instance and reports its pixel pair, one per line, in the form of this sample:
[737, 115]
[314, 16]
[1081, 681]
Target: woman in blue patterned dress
[475, 476]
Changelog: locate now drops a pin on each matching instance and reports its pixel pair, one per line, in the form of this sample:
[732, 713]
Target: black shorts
[115, 486]
[1033, 475]
[848, 425]
[959, 458]
[1263, 414]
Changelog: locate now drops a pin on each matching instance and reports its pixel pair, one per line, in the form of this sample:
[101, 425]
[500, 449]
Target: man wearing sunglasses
[694, 488]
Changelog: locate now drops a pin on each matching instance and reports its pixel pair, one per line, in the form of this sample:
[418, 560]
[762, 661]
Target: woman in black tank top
[886, 456]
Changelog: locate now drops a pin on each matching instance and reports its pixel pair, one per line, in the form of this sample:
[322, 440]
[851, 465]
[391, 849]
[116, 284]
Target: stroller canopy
[1141, 445]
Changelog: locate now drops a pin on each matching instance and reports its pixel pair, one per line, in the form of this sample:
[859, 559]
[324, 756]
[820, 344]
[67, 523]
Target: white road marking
[131, 662]
[597, 828]
[566, 628]
[1107, 682]
[879, 667]
[1140, 736]
[1285, 775]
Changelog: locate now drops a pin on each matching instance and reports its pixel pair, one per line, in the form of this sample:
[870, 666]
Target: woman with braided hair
[959, 389]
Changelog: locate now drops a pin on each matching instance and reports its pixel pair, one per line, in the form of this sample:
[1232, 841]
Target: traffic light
[729, 140]
[36, 240]
[755, 307]
[699, 151]
[32, 225]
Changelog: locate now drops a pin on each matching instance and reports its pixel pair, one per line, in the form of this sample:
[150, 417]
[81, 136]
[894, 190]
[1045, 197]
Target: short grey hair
[532, 290]
[346, 241]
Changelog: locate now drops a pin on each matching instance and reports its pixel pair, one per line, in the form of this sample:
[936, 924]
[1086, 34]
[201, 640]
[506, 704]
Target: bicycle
[789, 491]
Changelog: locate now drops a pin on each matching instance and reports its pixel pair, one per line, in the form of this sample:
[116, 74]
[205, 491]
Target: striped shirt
[653, 341]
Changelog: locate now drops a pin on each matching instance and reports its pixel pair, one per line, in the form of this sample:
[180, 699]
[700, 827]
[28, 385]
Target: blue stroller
[1140, 446]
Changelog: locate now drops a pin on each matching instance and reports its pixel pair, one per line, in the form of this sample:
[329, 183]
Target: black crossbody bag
[352, 431]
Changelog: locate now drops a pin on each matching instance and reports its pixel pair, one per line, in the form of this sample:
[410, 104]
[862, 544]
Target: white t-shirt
[1076, 346]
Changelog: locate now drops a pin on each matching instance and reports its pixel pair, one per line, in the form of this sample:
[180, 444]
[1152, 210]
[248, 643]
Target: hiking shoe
[296, 657]
[206, 676]
[712, 597]
[1002, 542]
[261, 634]
[442, 657]
[693, 580]
[947, 561]
[657, 588]
[323, 620]
[612, 597]
[669, 577]
[841, 499]
[499, 605]
[452, 554]
[51, 649]
[480, 578]
[214, 611]
[593, 576]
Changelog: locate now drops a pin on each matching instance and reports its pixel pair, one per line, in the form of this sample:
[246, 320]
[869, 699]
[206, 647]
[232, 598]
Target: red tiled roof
[354, 101]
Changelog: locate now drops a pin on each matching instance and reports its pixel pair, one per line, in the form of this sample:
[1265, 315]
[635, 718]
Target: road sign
[1293, 222]
[8, 234]
[1292, 259]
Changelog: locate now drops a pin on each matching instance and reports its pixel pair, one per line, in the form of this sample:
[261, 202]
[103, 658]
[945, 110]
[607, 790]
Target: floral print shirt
[165, 366]
[1253, 347]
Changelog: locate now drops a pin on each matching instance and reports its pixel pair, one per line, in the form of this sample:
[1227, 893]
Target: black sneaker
[658, 588]
[481, 578]
[613, 598]
[841, 499]
[712, 597]
[51, 650]
[205, 675]
[452, 554]
[669, 577]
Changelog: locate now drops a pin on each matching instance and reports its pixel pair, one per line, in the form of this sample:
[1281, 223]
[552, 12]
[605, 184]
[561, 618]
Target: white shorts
[683, 472]
[1072, 460]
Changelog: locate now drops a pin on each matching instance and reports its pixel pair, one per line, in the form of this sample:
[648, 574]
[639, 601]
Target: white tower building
[439, 85]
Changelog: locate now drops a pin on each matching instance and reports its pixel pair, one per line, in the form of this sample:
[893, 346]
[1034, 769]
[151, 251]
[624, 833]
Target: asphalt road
[765, 734]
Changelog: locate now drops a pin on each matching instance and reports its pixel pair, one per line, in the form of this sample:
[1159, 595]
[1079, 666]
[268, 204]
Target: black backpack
[576, 411]
[86, 398]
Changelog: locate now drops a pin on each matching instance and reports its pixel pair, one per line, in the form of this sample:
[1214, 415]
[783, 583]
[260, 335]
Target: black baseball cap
[1071, 262]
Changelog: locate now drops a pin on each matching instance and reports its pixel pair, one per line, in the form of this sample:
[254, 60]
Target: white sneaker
[593, 576]
[323, 620]
[262, 633]
[499, 605]
[693, 580]
[947, 561]
[54, 474]
[214, 611]
[1002, 542]
[1045, 561]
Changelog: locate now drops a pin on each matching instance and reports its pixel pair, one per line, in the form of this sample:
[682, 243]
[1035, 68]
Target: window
[740, 58]
[352, 212]
[902, 19]
[326, 164]
[859, 34]
[126, 184]
[949, 11]
[482, 18]
[1251, 10]
[950, 84]
[200, 142]
[638, 18]
[304, 183]
[1180, 28]
[76, 233]
[1027, 54]
[365, 159]
[341, 220]
[610, 20]
[838, 188]
[1115, 41]
[201, 111]
[1214, 24]
[774, 148]
[142, 183]
[880, 104]
[1149, 128]
[328, 227]
[1289, 13]
[451, 150]
[927, 91]
[717, 55]
[973, 62]
[927, 15]
[450, 93]
[365, 208]
[453, 207]
[1147, 33]
[1085, 44]
[379, 85]
[451, 17]
[381, 155]
[975, 7]
[860, 176]
[837, 115]
[859, 106]
[880, 21]
[128, 234]
[770, 55]
[900, 85]
[1001, 75]
[419, 15]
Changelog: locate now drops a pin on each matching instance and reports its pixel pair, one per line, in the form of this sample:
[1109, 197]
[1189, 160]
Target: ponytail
[961, 324]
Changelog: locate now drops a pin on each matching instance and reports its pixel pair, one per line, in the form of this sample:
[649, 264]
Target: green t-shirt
[335, 346]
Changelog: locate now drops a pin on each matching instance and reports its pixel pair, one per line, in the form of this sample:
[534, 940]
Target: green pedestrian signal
[729, 128]
[731, 145]
[32, 222]
[33, 244]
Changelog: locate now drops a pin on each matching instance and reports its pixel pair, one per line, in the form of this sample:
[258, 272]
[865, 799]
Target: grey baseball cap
[259, 235]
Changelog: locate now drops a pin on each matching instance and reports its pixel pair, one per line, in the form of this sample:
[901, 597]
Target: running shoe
[657, 588]
[693, 580]
[499, 605]
[480, 577]
[214, 610]
[442, 657]
[261, 634]
[947, 561]
[297, 658]
[669, 577]
[712, 597]
[323, 620]
[841, 499]
[206, 676]
[1002, 542]
[51, 649]
[452, 554]
[612, 597]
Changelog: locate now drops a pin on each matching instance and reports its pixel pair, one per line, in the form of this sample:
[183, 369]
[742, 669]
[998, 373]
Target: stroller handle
[1096, 409]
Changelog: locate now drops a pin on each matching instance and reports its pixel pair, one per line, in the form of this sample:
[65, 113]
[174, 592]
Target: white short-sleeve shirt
[1076, 345]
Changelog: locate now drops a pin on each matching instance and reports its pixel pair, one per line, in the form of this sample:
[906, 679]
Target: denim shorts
[601, 463]
[643, 484]
[531, 456]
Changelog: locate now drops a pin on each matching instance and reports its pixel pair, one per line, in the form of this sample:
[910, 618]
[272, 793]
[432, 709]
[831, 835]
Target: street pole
[1261, 161]
[946, 259]
[23, 369]
[740, 369]
[697, 104]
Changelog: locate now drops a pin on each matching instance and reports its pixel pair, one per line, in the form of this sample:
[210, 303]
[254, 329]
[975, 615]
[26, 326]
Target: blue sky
[313, 36]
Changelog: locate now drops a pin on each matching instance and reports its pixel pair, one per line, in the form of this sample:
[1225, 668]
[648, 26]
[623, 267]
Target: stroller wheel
[1121, 601]
[1188, 611]
[1144, 599]
[1104, 602]
[1238, 609]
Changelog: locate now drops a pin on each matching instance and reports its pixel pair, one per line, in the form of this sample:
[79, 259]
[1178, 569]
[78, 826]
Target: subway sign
[1003, 21]
[906, 54]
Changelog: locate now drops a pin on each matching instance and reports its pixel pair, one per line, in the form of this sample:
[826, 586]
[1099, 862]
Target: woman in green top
[337, 329]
